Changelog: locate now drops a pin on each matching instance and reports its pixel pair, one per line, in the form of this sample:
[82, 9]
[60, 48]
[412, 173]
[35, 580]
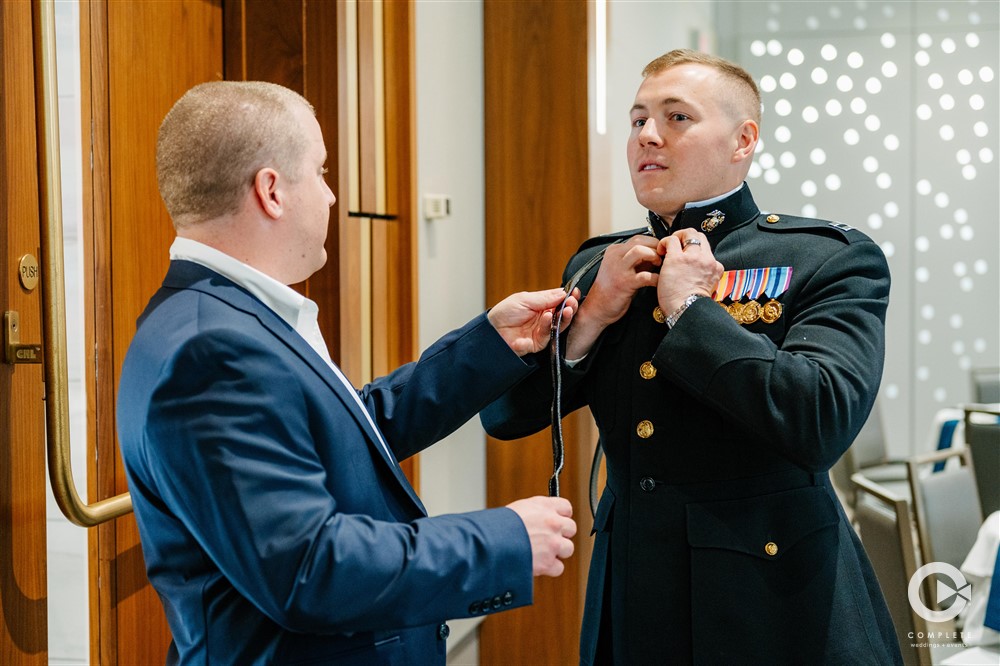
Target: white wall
[450, 158]
[638, 32]
[884, 115]
[69, 612]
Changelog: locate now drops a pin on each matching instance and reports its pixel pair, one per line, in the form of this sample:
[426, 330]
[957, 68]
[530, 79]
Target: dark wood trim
[325, 87]
[537, 214]
[102, 465]
[395, 310]
[322, 78]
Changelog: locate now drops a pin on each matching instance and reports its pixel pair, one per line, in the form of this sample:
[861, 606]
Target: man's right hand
[625, 269]
[550, 525]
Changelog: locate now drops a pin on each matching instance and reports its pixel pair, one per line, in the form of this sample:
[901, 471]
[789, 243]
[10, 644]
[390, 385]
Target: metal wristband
[676, 314]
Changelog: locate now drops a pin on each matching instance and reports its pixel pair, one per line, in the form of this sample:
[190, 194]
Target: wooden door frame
[394, 305]
[324, 82]
[23, 539]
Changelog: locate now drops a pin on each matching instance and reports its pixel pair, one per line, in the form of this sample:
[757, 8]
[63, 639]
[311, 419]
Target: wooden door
[139, 58]
[142, 57]
[536, 217]
[23, 603]
[352, 60]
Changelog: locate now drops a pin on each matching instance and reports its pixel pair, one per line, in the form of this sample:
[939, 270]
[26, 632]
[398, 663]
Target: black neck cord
[555, 358]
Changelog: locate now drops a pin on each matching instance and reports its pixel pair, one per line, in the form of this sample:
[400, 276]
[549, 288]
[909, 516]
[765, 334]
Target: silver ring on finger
[690, 241]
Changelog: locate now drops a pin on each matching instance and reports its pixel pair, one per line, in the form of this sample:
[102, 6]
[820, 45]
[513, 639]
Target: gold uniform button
[647, 370]
[644, 429]
[658, 315]
[771, 219]
[771, 548]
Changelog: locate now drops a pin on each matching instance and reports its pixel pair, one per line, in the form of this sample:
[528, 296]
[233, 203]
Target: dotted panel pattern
[885, 115]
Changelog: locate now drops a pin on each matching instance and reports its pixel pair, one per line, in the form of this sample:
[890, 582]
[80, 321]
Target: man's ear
[746, 140]
[268, 193]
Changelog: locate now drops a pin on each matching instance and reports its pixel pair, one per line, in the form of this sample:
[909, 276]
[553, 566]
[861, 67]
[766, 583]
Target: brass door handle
[53, 291]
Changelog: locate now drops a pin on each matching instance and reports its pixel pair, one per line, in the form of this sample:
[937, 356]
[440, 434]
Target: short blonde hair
[216, 138]
[742, 97]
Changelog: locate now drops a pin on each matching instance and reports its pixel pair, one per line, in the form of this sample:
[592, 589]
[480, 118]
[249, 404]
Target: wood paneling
[396, 314]
[367, 291]
[23, 600]
[135, 72]
[535, 58]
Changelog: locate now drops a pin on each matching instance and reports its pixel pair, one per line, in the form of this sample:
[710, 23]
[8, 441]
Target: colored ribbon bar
[778, 282]
[772, 281]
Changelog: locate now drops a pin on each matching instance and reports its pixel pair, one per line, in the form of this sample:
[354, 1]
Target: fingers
[639, 252]
[550, 527]
[543, 300]
[570, 306]
[682, 240]
[689, 267]
[561, 505]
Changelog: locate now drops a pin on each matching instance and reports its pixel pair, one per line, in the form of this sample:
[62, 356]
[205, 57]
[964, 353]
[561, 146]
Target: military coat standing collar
[717, 219]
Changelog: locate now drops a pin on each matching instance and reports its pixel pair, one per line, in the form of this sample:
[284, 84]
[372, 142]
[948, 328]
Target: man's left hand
[689, 267]
[524, 319]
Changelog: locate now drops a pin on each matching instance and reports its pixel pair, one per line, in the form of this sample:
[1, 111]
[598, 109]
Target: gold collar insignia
[714, 219]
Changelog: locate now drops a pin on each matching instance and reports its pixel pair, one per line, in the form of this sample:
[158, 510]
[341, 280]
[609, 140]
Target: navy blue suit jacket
[273, 524]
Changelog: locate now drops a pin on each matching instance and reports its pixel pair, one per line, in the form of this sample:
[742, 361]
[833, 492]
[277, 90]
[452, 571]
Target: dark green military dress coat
[719, 539]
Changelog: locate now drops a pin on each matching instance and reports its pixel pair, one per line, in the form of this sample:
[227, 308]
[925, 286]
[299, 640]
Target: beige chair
[982, 438]
[884, 524]
[986, 385]
[946, 505]
[868, 454]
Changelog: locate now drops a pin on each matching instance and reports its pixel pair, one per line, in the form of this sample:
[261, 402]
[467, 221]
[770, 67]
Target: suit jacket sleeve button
[444, 631]
[474, 608]
[508, 598]
[496, 602]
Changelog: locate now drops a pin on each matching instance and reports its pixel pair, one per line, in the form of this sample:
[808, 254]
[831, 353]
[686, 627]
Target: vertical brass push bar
[53, 289]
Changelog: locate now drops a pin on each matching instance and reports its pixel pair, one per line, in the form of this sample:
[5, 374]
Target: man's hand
[689, 267]
[524, 319]
[625, 269]
[550, 527]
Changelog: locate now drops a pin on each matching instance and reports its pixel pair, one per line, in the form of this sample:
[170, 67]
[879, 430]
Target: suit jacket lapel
[189, 275]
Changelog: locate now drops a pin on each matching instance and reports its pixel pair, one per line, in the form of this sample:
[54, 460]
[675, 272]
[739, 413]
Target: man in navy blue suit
[275, 522]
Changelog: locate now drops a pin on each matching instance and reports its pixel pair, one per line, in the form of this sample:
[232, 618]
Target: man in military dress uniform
[729, 357]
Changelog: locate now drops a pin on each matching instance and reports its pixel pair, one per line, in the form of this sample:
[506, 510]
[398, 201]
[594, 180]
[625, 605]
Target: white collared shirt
[299, 312]
[708, 202]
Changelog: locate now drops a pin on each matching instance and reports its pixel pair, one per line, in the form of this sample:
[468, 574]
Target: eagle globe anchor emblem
[714, 219]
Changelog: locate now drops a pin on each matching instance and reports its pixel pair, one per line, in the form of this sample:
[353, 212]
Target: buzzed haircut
[216, 138]
[743, 96]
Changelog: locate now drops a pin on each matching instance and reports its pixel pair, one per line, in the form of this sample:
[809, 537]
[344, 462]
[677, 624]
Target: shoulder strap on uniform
[780, 223]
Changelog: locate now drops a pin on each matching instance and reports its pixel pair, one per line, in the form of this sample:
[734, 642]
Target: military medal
[714, 219]
[770, 312]
[750, 313]
[776, 284]
[735, 310]
[753, 283]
